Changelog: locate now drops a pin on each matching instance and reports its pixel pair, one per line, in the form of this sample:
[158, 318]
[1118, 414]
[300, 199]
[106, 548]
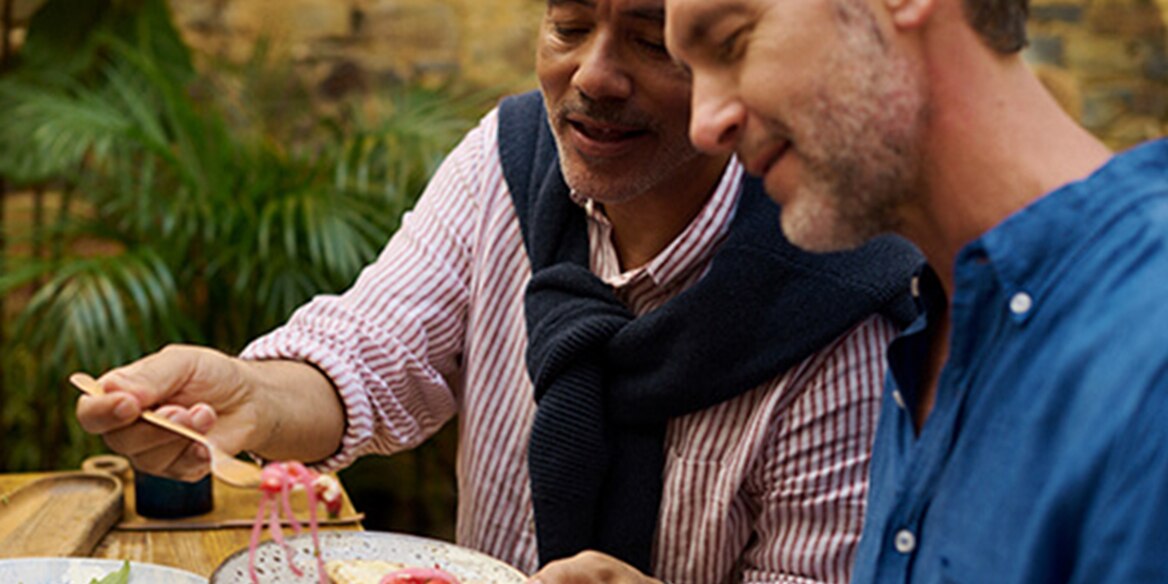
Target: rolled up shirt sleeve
[391, 344]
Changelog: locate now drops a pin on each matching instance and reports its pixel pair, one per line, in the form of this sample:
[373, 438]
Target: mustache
[608, 111]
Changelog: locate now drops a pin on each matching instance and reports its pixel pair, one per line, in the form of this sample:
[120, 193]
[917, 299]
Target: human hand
[193, 386]
[590, 567]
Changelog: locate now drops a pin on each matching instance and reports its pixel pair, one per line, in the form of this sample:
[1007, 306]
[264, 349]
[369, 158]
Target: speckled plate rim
[54, 570]
[469, 565]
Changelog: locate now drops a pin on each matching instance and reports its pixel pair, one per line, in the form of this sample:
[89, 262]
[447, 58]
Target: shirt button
[899, 399]
[1021, 303]
[905, 541]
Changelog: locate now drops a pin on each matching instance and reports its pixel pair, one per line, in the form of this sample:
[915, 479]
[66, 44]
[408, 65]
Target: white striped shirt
[765, 487]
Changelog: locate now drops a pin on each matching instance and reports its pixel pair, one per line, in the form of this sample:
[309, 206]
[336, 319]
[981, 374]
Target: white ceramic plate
[468, 565]
[84, 570]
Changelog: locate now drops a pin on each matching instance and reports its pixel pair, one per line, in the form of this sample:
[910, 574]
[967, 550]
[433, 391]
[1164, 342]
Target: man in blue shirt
[1024, 429]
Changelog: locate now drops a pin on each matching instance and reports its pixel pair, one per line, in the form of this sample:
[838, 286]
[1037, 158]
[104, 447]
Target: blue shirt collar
[1030, 247]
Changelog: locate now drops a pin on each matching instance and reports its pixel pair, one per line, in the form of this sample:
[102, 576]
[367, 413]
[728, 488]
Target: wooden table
[197, 544]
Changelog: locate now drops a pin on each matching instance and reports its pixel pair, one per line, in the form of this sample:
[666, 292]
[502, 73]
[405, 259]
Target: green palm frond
[44, 133]
[102, 311]
[396, 155]
[191, 211]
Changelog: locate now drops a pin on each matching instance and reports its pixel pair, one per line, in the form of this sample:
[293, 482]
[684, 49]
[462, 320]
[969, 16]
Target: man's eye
[654, 46]
[730, 49]
[568, 31]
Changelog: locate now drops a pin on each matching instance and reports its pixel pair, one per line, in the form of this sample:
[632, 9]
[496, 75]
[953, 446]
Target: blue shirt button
[1021, 303]
[905, 541]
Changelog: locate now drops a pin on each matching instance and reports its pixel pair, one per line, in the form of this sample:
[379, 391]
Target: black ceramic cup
[162, 498]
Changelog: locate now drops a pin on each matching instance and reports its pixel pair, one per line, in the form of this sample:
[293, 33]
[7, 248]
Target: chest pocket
[697, 508]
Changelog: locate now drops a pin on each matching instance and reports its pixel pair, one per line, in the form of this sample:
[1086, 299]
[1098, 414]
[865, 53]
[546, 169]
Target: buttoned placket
[927, 456]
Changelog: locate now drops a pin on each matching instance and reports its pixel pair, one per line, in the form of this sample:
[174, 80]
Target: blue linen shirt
[1045, 458]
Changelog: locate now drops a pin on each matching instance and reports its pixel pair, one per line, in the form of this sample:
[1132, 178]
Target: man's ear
[908, 14]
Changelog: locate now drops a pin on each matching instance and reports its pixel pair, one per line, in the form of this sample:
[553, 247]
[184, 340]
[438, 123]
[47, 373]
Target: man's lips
[602, 138]
[760, 164]
[602, 131]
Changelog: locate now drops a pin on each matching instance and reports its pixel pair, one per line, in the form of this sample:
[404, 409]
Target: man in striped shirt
[764, 486]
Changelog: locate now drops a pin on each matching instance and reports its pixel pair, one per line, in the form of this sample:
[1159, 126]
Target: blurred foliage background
[149, 201]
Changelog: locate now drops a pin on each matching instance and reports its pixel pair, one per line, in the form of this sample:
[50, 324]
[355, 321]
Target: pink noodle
[286, 499]
[286, 474]
[313, 527]
[257, 529]
[278, 535]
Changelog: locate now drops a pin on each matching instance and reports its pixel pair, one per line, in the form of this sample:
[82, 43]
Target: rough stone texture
[1111, 58]
[406, 39]
[499, 40]
[486, 43]
[1105, 60]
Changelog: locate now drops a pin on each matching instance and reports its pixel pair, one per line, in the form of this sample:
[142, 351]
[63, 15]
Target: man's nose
[717, 119]
[601, 74]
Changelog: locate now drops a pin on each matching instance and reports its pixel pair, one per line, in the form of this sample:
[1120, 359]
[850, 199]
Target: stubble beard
[860, 148]
[616, 181]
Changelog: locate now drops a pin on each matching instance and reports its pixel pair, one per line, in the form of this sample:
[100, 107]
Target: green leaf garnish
[121, 576]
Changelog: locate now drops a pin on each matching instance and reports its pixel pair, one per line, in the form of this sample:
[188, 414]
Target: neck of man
[646, 224]
[995, 141]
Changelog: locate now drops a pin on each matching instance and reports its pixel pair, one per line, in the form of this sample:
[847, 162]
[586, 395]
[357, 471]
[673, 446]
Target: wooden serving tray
[65, 514]
[233, 507]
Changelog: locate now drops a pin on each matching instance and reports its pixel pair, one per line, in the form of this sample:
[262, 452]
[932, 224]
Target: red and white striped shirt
[766, 487]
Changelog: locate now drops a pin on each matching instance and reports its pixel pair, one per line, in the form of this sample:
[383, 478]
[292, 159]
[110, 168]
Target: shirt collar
[692, 248]
[1029, 248]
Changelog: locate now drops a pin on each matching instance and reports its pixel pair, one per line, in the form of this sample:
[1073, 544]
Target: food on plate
[358, 571]
[381, 572]
[277, 482]
[433, 575]
[119, 576]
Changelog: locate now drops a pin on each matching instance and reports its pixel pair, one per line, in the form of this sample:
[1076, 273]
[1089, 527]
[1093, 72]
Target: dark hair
[1001, 23]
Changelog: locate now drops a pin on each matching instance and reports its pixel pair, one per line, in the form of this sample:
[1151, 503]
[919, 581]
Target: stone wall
[345, 44]
[340, 45]
[1106, 60]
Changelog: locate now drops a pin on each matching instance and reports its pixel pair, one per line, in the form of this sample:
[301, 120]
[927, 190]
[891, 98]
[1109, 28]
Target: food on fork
[277, 481]
[381, 572]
